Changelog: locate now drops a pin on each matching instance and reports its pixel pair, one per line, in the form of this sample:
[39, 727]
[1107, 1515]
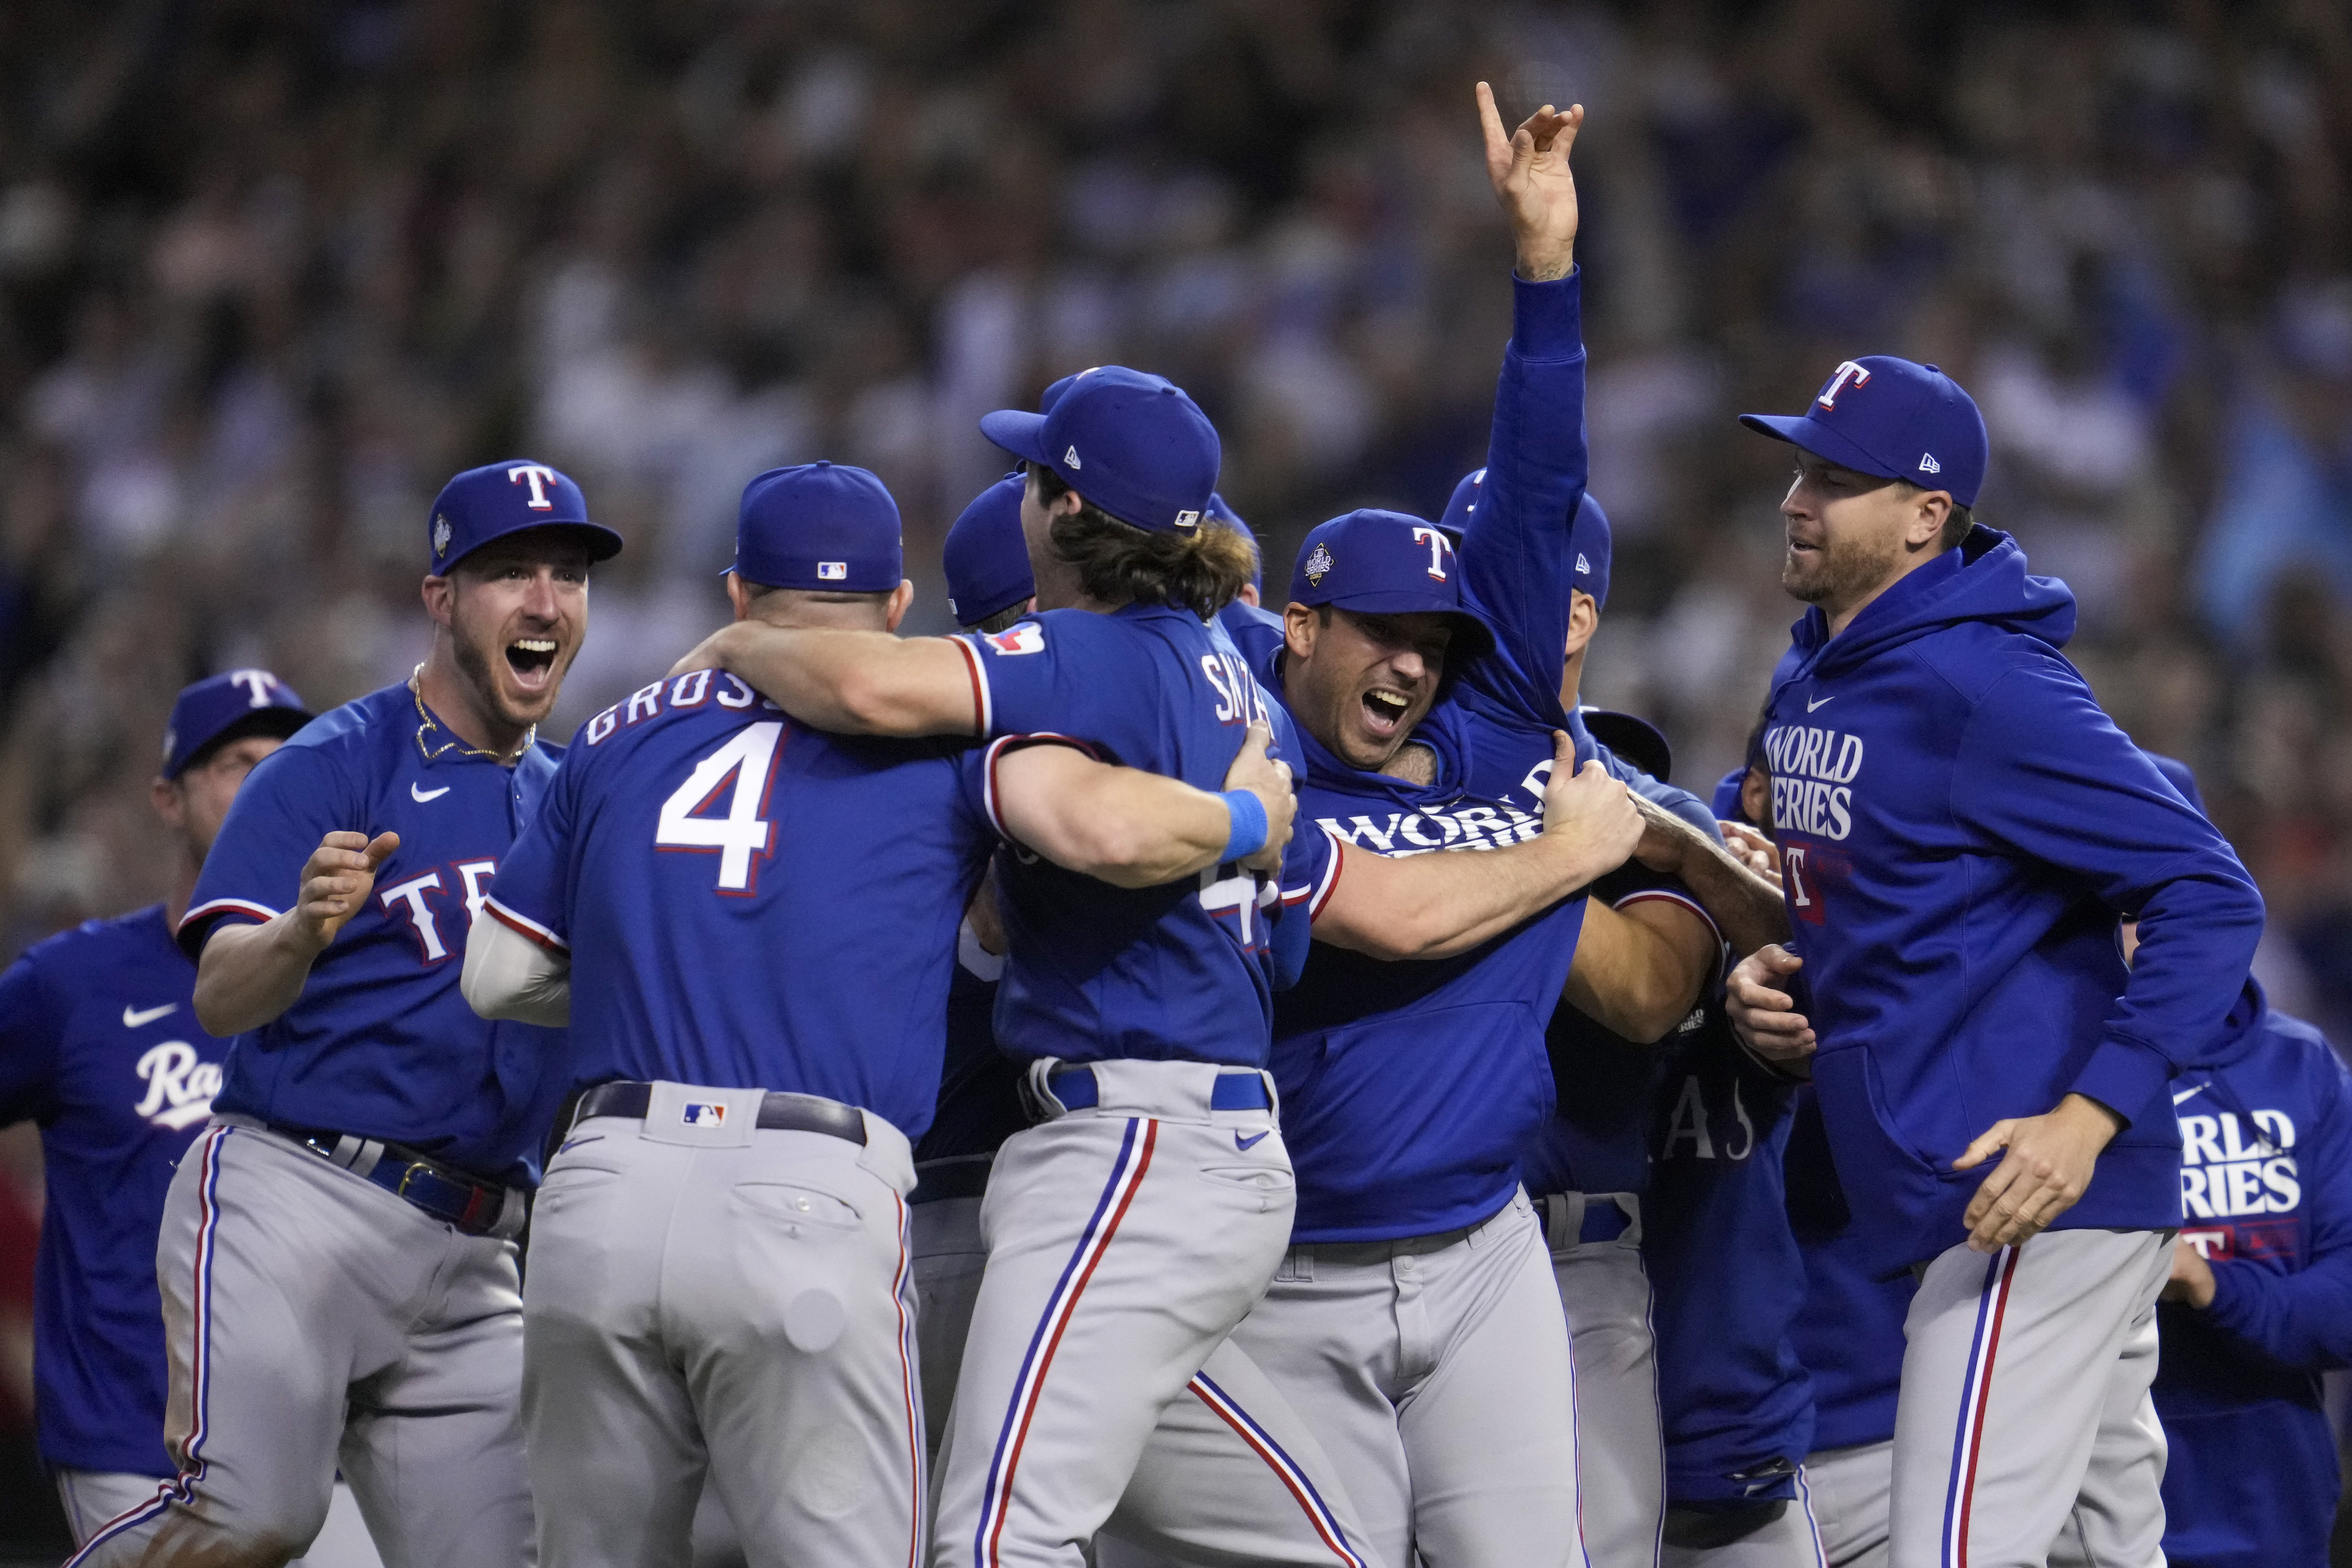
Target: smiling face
[1851, 535]
[1360, 682]
[516, 611]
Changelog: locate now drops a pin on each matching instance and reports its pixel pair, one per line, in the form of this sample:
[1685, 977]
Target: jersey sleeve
[976, 773]
[2042, 771]
[295, 797]
[1516, 561]
[31, 1027]
[2304, 1320]
[1037, 677]
[531, 894]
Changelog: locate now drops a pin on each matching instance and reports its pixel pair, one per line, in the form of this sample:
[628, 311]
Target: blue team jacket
[2266, 1187]
[1849, 1332]
[1959, 823]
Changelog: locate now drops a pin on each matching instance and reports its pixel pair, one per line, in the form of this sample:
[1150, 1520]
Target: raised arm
[1516, 561]
[850, 683]
[1136, 829]
[1438, 905]
[249, 974]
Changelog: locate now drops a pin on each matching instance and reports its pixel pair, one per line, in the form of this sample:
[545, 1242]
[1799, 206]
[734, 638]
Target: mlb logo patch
[831, 571]
[698, 1114]
[1021, 636]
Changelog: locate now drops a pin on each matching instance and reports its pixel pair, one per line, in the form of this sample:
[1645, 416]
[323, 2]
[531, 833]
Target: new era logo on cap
[1071, 458]
[1927, 464]
[698, 1114]
[1583, 567]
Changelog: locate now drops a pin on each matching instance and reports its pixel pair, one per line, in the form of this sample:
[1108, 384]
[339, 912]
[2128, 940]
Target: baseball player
[100, 1044]
[1107, 1289]
[1848, 1330]
[720, 1269]
[1956, 839]
[337, 1261]
[2260, 1299]
[1635, 979]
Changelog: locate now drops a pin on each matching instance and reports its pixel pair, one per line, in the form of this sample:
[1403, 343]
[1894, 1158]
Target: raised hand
[1532, 182]
[336, 882]
[1268, 780]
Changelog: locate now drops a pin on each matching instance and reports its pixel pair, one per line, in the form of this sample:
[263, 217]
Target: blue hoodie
[2266, 1179]
[1409, 1089]
[1955, 837]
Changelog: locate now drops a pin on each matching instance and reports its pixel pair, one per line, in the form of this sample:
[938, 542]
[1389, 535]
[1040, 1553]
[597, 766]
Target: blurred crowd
[272, 269]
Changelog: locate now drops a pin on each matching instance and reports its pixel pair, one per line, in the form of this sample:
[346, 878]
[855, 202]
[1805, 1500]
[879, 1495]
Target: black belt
[954, 1176]
[472, 1205]
[778, 1112]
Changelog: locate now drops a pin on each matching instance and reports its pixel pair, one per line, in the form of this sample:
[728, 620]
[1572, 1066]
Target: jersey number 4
[746, 762]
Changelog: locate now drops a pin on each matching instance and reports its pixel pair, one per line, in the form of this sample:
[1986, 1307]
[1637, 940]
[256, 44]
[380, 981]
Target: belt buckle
[408, 1175]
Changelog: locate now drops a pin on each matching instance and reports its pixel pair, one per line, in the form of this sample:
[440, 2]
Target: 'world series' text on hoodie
[1959, 823]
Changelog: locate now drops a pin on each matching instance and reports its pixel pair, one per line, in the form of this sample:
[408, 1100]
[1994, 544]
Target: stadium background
[270, 271]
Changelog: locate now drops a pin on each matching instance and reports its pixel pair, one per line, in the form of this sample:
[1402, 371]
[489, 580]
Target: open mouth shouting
[532, 661]
[1385, 709]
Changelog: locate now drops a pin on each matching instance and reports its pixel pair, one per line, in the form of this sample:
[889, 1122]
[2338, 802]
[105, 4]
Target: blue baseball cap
[824, 526]
[987, 556]
[1879, 414]
[1052, 394]
[224, 708]
[1589, 535]
[1220, 510]
[1386, 564]
[1132, 444]
[499, 499]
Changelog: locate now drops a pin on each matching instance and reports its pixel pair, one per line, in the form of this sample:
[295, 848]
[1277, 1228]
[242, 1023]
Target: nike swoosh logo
[2189, 1094]
[1811, 703]
[140, 1018]
[421, 795]
[1252, 1142]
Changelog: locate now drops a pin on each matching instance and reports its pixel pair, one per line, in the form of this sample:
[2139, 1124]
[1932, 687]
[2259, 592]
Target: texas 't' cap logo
[441, 535]
[1318, 566]
[1847, 372]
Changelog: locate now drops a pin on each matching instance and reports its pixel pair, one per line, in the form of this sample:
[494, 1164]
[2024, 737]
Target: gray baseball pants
[1437, 1374]
[311, 1319]
[950, 1254]
[1125, 1240]
[1853, 1490]
[94, 1499]
[2024, 1420]
[710, 1298]
[1621, 1448]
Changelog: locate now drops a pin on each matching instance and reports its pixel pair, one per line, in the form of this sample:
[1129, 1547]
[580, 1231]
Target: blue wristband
[1249, 829]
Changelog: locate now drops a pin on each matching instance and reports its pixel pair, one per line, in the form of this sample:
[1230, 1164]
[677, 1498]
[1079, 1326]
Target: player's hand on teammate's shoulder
[1528, 169]
[336, 882]
[1765, 1016]
[710, 653]
[1269, 780]
[2045, 1172]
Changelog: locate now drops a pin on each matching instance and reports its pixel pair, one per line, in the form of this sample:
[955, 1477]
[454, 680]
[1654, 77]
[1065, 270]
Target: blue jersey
[750, 903]
[1597, 1140]
[980, 1087]
[1182, 972]
[2266, 1184]
[100, 1045]
[381, 1043]
[1956, 834]
[1849, 1334]
[1409, 1089]
[1735, 1404]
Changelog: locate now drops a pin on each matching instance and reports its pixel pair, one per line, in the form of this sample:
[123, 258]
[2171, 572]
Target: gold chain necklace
[426, 721]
